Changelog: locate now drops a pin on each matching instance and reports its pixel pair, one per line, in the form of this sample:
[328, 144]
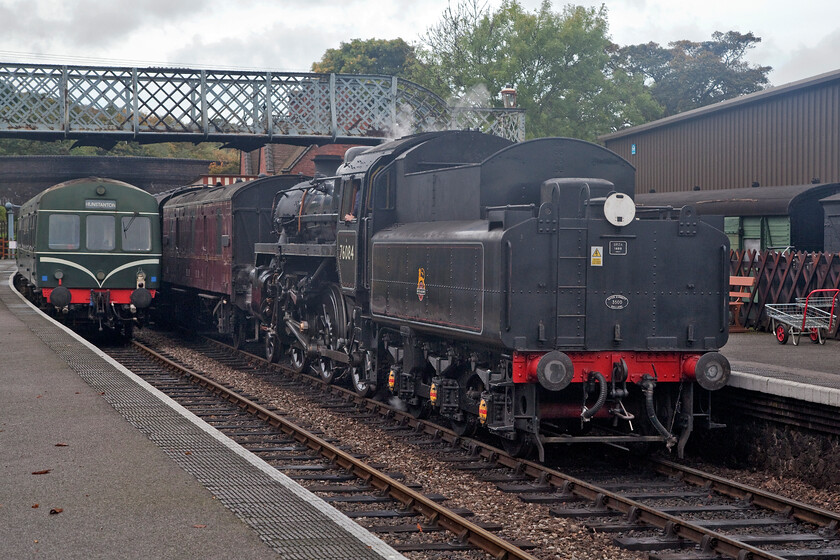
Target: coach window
[64, 231]
[136, 233]
[99, 234]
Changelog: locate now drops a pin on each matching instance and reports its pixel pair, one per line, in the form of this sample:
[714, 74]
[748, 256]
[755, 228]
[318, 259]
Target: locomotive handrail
[724, 314]
[508, 268]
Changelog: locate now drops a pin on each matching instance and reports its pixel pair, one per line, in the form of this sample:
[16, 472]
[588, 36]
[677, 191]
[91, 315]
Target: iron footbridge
[244, 109]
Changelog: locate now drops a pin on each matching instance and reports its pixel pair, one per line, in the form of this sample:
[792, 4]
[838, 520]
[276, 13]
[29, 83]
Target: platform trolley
[814, 315]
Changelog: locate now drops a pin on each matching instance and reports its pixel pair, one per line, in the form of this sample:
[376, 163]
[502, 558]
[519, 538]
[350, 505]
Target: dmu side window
[64, 231]
[136, 233]
[99, 233]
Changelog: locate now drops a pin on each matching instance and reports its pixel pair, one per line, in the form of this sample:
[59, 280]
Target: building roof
[759, 201]
[756, 97]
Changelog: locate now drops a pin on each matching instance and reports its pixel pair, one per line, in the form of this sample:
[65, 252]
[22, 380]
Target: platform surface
[95, 464]
[807, 371]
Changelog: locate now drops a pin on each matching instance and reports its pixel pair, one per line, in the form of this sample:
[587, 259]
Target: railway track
[671, 512]
[340, 476]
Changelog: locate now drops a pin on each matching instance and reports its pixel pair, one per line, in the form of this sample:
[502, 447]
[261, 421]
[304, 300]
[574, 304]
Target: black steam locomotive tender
[506, 287]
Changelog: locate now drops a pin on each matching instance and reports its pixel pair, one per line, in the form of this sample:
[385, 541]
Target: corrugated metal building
[786, 135]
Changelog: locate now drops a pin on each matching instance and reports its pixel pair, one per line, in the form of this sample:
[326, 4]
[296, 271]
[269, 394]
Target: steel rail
[635, 511]
[756, 496]
[465, 530]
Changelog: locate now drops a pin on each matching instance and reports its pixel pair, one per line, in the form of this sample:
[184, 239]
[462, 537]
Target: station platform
[95, 463]
[808, 372]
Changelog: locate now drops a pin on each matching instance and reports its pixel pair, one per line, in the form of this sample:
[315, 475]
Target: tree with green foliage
[373, 56]
[558, 62]
[692, 74]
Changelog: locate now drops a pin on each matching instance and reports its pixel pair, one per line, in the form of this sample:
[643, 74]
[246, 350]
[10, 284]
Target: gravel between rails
[790, 487]
[556, 538]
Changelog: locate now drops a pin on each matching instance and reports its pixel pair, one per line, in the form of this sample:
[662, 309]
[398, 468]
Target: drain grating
[288, 518]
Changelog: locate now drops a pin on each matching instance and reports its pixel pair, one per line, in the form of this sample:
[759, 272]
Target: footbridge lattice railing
[101, 105]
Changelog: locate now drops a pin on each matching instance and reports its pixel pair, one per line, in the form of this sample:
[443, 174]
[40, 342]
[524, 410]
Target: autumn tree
[689, 74]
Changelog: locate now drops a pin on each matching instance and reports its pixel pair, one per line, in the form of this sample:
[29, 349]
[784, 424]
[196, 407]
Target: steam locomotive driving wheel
[331, 330]
[298, 358]
[239, 329]
[360, 375]
[273, 347]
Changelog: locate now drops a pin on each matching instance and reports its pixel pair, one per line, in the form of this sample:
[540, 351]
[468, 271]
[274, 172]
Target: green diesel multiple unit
[90, 250]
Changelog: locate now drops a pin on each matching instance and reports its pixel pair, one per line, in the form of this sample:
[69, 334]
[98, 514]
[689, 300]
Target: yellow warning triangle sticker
[596, 253]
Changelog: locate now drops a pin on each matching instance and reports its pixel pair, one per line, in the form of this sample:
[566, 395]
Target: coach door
[352, 218]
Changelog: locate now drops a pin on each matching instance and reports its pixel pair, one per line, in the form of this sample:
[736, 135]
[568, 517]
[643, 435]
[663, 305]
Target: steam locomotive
[512, 288]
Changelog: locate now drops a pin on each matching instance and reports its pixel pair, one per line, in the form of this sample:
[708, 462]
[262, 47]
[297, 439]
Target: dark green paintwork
[70, 197]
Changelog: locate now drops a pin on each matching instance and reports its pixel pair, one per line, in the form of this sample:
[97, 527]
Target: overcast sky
[800, 39]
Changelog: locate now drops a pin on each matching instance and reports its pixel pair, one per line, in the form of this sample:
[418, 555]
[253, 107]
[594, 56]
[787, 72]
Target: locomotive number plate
[618, 247]
[346, 256]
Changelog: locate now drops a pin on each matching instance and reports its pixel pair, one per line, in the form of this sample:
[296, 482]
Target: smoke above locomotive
[513, 288]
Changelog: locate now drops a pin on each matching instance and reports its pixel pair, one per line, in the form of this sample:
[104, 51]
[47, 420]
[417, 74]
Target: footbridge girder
[103, 105]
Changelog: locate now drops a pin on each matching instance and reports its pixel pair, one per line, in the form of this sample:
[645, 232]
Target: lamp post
[508, 97]
[10, 217]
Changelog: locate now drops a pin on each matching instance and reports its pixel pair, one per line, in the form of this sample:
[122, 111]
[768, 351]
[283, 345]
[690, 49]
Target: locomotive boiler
[512, 288]
[208, 237]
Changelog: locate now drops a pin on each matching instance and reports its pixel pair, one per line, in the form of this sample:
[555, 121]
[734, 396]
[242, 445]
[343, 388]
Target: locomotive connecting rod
[296, 329]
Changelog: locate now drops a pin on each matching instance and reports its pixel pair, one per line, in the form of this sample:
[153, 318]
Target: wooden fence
[782, 277]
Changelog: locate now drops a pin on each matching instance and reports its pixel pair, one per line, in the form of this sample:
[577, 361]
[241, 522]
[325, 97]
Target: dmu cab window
[136, 233]
[64, 231]
[99, 233]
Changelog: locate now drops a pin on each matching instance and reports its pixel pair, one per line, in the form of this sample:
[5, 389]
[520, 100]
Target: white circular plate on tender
[619, 209]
